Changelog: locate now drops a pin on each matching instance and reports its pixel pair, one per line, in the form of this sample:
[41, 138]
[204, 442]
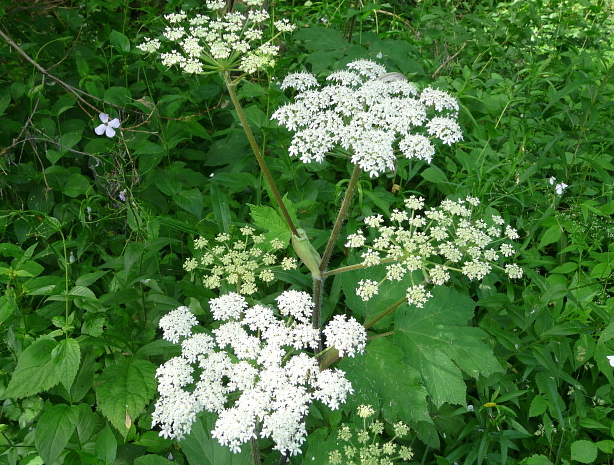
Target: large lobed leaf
[438, 342]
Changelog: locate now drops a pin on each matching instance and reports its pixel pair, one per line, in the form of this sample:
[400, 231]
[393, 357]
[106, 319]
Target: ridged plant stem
[252, 142]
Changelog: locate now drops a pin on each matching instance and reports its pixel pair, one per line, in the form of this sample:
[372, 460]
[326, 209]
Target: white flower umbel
[232, 41]
[372, 118]
[249, 371]
[243, 263]
[436, 242]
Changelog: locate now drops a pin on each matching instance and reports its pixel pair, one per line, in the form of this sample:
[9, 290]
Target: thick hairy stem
[345, 205]
[263, 167]
[318, 288]
[253, 442]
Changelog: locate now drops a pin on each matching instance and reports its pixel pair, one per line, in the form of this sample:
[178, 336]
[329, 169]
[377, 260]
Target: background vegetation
[94, 230]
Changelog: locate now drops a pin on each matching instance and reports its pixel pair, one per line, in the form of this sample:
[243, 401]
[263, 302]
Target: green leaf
[538, 406]
[191, 201]
[199, 445]
[6, 308]
[106, 446]
[124, 389]
[36, 370]
[382, 377]
[5, 100]
[221, 210]
[389, 292]
[89, 278]
[438, 342]
[267, 218]
[235, 181]
[68, 141]
[149, 155]
[119, 41]
[86, 423]
[77, 185]
[537, 460]
[67, 355]
[153, 460]
[583, 451]
[54, 429]
[552, 234]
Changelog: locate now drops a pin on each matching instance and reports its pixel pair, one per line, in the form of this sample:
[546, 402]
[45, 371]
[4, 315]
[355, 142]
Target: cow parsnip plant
[240, 225]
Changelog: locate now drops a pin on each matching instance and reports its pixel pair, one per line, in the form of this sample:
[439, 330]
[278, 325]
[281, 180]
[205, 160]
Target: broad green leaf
[583, 451]
[77, 185]
[82, 292]
[390, 292]
[89, 278]
[199, 447]
[606, 446]
[538, 406]
[119, 41]
[53, 430]
[6, 308]
[236, 181]
[320, 444]
[154, 442]
[67, 355]
[381, 377]
[153, 460]
[267, 218]
[191, 201]
[86, 423]
[68, 141]
[149, 155]
[84, 379]
[552, 234]
[437, 341]
[124, 389]
[106, 446]
[119, 96]
[5, 100]
[36, 370]
[537, 460]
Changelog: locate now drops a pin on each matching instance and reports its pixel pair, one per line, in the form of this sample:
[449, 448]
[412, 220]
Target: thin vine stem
[384, 313]
[261, 162]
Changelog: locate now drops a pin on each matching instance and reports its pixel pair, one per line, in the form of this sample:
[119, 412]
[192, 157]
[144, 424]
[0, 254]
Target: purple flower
[122, 195]
[107, 127]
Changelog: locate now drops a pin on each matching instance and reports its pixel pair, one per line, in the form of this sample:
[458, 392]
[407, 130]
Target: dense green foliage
[94, 231]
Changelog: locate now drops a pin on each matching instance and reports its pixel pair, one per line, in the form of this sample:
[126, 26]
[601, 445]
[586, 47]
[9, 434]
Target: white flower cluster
[248, 371]
[239, 263]
[435, 241]
[235, 40]
[363, 111]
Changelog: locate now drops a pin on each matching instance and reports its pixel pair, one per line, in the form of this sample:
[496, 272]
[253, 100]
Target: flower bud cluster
[374, 118]
[238, 263]
[436, 242]
[249, 371]
[230, 41]
[362, 445]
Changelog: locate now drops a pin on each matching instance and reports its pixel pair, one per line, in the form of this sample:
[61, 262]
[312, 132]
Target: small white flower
[610, 359]
[559, 188]
[107, 127]
[552, 180]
